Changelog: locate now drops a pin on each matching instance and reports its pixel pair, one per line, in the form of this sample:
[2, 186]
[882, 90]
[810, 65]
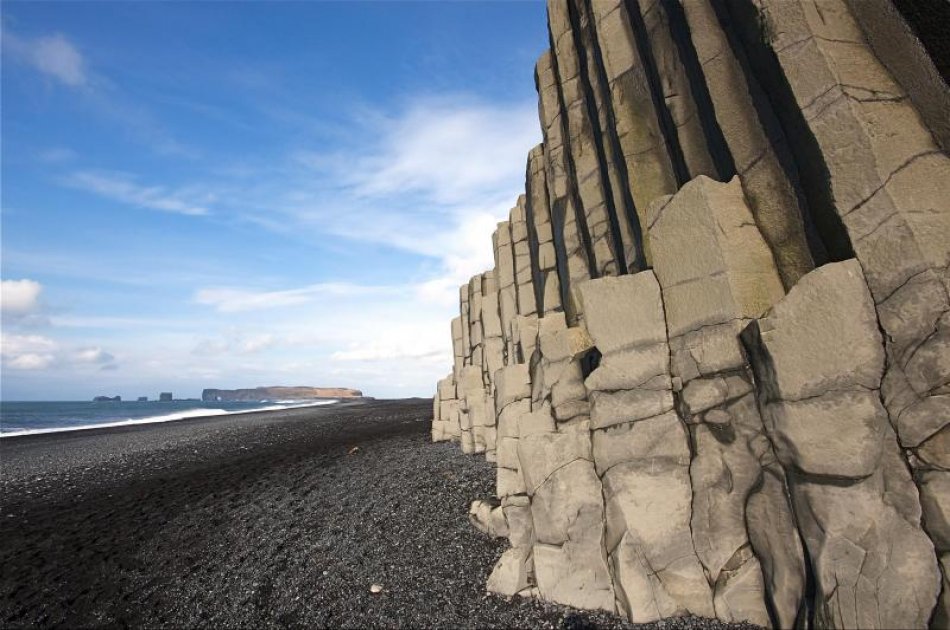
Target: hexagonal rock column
[550, 289]
[471, 397]
[890, 183]
[716, 273]
[523, 275]
[493, 360]
[555, 479]
[514, 571]
[818, 359]
[641, 451]
[507, 291]
[466, 326]
[772, 197]
[583, 166]
[564, 210]
[636, 124]
[676, 94]
[458, 347]
[445, 422]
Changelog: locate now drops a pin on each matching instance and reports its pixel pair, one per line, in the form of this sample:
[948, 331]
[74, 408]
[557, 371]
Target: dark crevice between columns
[930, 22]
[667, 126]
[560, 253]
[556, 214]
[569, 171]
[788, 132]
[537, 280]
[630, 207]
[763, 383]
[598, 135]
[715, 141]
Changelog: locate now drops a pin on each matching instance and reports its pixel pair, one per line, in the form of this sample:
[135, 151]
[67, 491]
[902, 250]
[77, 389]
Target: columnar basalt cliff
[712, 361]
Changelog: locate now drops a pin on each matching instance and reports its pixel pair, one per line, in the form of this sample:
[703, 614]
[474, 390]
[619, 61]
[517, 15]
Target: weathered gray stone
[854, 502]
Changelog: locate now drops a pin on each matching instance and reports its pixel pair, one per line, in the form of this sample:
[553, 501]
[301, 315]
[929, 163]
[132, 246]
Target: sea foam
[170, 417]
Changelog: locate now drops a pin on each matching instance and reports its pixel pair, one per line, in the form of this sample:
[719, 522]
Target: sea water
[24, 418]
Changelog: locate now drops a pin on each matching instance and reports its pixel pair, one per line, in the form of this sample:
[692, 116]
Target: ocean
[24, 418]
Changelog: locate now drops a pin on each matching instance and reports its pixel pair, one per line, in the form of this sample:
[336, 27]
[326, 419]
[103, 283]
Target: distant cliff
[279, 393]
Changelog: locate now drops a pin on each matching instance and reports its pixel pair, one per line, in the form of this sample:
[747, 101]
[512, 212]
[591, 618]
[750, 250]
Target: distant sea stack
[278, 393]
[712, 360]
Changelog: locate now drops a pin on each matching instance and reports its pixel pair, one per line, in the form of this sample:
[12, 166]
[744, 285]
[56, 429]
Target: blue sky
[239, 194]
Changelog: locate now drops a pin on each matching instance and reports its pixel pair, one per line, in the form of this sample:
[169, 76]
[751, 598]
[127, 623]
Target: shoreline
[197, 413]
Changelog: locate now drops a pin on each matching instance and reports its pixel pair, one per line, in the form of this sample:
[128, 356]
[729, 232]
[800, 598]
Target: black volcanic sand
[282, 518]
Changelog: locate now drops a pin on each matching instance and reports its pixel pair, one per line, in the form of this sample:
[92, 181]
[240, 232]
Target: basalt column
[890, 182]
[562, 198]
[712, 360]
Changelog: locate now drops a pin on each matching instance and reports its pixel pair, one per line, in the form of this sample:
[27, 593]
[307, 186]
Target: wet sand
[281, 518]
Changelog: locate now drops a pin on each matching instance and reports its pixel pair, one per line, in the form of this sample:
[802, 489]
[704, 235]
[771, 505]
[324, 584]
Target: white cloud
[19, 297]
[450, 149]
[94, 355]
[53, 55]
[39, 352]
[27, 352]
[232, 300]
[434, 179]
[30, 361]
[123, 188]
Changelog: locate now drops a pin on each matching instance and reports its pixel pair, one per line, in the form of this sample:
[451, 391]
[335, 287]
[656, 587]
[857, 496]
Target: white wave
[170, 417]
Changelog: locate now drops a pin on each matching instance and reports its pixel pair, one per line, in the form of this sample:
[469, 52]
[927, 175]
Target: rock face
[278, 393]
[712, 361]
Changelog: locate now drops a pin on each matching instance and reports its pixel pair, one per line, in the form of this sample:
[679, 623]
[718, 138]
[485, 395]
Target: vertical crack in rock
[716, 273]
[716, 143]
[754, 32]
[667, 127]
[822, 409]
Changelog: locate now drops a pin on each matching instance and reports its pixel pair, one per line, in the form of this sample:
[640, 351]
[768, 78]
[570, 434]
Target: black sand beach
[282, 518]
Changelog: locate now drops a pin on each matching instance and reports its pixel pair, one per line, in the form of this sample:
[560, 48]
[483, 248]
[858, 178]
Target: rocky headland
[711, 364]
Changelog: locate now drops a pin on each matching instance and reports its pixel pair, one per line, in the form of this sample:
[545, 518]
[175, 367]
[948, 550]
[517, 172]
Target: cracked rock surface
[733, 395]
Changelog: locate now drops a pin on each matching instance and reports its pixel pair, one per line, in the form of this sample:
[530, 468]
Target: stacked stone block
[712, 362]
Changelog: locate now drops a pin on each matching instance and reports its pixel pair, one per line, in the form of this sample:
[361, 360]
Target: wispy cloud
[53, 55]
[450, 149]
[232, 300]
[123, 188]
[432, 179]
